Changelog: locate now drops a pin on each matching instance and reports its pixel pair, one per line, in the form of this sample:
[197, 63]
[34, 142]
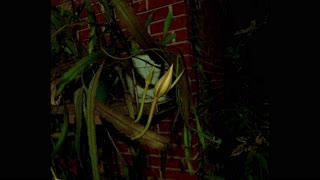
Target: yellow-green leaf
[167, 23]
[149, 18]
[168, 39]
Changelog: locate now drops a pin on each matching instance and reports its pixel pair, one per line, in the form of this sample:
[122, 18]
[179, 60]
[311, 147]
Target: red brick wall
[211, 62]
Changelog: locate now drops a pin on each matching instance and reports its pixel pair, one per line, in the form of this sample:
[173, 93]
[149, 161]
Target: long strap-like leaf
[78, 102]
[63, 133]
[79, 67]
[90, 121]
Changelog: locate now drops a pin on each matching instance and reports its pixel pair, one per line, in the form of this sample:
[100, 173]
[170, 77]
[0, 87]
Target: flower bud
[164, 83]
[150, 76]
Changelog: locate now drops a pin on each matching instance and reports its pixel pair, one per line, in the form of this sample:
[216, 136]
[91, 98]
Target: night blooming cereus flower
[164, 83]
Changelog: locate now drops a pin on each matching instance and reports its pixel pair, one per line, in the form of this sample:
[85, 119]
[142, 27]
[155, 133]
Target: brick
[154, 161]
[159, 3]
[160, 13]
[96, 8]
[56, 2]
[178, 174]
[100, 18]
[194, 99]
[156, 27]
[170, 162]
[189, 60]
[157, 37]
[176, 23]
[127, 158]
[83, 13]
[179, 8]
[165, 126]
[84, 34]
[217, 75]
[191, 74]
[85, 43]
[83, 26]
[123, 148]
[143, 16]
[149, 150]
[185, 47]
[176, 139]
[194, 86]
[181, 35]
[179, 22]
[152, 172]
[140, 6]
[217, 83]
[176, 151]
[173, 163]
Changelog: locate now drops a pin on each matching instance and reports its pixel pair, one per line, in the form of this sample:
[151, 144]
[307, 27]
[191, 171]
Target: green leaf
[199, 128]
[167, 23]
[229, 49]
[79, 67]
[107, 10]
[90, 122]
[218, 141]
[54, 22]
[78, 104]
[198, 49]
[63, 133]
[149, 19]
[134, 47]
[72, 47]
[63, 4]
[262, 162]
[92, 39]
[102, 92]
[91, 21]
[218, 178]
[236, 56]
[67, 50]
[168, 39]
[249, 177]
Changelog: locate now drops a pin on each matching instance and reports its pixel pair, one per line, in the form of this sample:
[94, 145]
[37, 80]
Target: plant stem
[146, 87]
[154, 103]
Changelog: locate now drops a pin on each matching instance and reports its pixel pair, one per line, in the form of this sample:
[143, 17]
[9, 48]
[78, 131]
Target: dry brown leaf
[238, 150]
[54, 99]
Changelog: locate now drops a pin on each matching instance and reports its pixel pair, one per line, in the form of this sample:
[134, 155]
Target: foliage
[84, 73]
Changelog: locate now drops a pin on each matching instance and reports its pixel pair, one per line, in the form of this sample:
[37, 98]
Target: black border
[295, 97]
[25, 90]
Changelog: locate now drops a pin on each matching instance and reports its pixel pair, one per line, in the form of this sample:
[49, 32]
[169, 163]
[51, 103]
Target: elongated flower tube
[164, 83]
[161, 88]
[148, 82]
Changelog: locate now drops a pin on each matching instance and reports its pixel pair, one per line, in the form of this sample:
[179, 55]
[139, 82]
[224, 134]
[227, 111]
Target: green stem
[146, 87]
[154, 103]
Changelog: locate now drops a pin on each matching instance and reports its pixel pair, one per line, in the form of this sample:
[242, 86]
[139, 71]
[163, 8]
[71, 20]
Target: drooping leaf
[128, 17]
[63, 5]
[78, 102]
[199, 128]
[91, 22]
[55, 24]
[72, 47]
[126, 126]
[79, 67]
[63, 133]
[90, 122]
